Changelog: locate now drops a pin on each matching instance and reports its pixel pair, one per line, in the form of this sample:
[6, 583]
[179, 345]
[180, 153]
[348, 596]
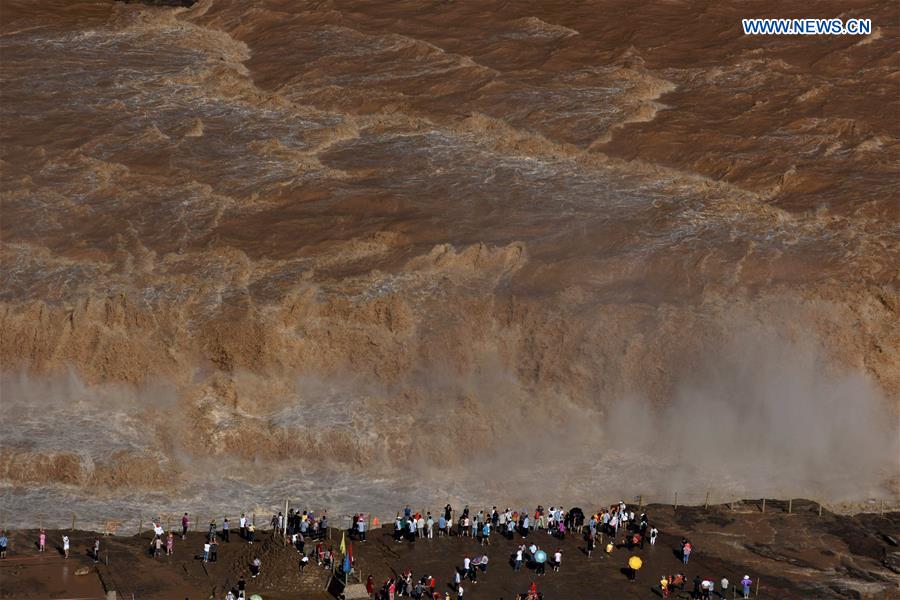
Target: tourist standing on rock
[483, 564]
[589, 548]
[243, 526]
[4, 543]
[361, 529]
[65, 541]
[42, 540]
[226, 528]
[746, 582]
[398, 528]
[411, 529]
[157, 547]
[686, 549]
[255, 567]
[724, 584]
[557, 560]
[185, 523]
[429, 526]
[96, 549]
[206, 548]
[251, 533]
[242, 586]
[170, 544]
[654, 532]
[214, 550]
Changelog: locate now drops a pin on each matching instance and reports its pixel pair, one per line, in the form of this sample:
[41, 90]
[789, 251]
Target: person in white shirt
[66, 546]
[467, 562]
[206, 552]
[557, 559]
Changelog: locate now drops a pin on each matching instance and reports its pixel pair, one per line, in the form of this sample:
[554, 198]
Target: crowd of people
[622, 527]
[307, 533]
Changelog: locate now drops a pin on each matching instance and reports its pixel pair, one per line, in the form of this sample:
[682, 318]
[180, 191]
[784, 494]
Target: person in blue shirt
[4, 542]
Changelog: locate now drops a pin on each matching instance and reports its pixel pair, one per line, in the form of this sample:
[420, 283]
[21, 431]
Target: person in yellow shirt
[664, 586]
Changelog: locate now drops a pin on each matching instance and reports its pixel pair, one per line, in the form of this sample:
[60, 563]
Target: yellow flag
[343, 546]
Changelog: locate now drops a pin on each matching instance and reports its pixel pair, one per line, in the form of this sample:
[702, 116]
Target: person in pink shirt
[42, 540]
[185, 523]
[170, 545]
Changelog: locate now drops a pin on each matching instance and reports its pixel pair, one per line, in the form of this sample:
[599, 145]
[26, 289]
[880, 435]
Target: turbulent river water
[362, 253]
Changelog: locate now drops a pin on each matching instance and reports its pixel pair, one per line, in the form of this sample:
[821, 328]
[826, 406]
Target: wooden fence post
[140, 525]
[706, 503]
[676, 502]
[881, 509]
[757, 587]
[820, 509]
[790, 504]
[732, 502]
[764, 506]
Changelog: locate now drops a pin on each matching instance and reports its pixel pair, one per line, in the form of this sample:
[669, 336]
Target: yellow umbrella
[635, 562]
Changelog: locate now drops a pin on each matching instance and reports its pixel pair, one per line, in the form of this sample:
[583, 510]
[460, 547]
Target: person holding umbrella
[540, 557]
[634, 564]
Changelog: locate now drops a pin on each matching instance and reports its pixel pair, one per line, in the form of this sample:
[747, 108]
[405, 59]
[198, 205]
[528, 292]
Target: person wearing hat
[746, 582]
